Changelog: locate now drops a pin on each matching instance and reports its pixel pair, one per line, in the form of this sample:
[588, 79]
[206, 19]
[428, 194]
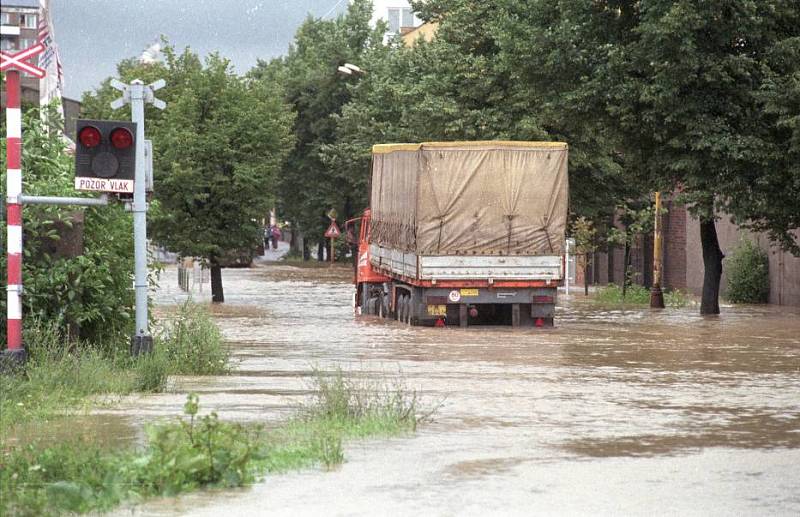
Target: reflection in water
[613, 411]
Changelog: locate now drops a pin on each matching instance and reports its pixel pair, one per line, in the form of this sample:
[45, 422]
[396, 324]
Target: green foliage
[89, 295]
[217, 148]
[308, 186]
[200, 451]
[193, 343]
[748, 274]
[634, 294]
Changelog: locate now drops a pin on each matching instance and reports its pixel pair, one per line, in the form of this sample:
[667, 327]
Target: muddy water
[613, 412]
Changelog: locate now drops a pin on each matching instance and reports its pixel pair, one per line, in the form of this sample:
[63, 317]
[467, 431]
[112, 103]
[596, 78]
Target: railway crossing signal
[105, 156]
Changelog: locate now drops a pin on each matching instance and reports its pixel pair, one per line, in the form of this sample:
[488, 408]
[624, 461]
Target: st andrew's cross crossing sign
[333, 231]
[16, 61]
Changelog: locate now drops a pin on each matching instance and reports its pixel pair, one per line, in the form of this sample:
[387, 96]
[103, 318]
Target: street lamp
[349, 70]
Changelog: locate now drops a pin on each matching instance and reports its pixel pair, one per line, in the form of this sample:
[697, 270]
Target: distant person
[267, 236]
[276, 235]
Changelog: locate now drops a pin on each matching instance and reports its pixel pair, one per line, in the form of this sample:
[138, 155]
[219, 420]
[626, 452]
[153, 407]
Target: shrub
[612, 294]
[193, 343]
[748, 274]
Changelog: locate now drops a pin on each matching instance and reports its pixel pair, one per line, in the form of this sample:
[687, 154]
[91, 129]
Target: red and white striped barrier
[12, 64]
[14, 210]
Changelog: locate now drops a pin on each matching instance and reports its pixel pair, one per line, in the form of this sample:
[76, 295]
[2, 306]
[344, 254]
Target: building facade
[397, 14]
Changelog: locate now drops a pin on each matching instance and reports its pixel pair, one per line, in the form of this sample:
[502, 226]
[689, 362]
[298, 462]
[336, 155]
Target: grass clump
[202, 451]
[193, 343]
[638, 295]
[748, 274]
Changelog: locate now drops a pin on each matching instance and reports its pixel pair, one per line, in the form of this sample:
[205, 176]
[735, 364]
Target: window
[394, 21]
[7, 44]
[29, 21]
[26, 43]
[5, 19]
[399, 18]
[408, 18]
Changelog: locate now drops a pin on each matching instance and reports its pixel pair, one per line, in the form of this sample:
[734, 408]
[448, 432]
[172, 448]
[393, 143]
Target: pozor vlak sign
[105, 156]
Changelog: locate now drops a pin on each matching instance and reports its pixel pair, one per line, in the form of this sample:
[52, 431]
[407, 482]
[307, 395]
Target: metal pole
[15, 350]
[141, 342]
[54, 200]
[656, 296]
[566, 268]
[333, 251]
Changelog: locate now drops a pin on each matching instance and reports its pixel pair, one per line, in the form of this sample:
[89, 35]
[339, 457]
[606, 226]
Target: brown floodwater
[612, 412]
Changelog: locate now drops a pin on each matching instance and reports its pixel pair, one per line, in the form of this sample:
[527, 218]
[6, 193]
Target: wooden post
[656, 295]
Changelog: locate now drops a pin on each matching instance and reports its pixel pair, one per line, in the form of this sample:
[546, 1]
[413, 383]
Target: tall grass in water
[193, 343]
[200, 450]
[638, 295]
[60, 374]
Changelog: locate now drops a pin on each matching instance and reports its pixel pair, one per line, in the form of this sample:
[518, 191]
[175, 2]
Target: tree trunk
[217, 295]
[626, 264]
[586, 275]
[306, 250]
[320, 251]
[712, 262]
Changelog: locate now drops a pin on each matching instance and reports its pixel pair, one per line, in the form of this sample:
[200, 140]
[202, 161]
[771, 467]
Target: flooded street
[612, 412]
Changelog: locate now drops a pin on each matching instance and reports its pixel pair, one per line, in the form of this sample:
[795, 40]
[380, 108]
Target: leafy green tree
[699, 96]
[308, 73]
[461, 87]
[217, 150]
[222, 141]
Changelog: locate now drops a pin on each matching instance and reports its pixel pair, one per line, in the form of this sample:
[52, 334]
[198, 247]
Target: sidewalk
[272, 255]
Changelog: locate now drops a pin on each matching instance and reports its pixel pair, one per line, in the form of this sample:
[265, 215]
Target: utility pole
[656, 296]
[136, 94]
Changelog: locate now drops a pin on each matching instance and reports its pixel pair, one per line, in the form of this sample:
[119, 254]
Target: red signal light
[89, 137]
[121, 138]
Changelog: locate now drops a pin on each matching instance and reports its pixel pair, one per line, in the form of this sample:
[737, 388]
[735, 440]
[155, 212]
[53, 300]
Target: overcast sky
[94, 35]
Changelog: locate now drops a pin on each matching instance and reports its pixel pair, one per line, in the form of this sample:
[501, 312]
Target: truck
[463, 233]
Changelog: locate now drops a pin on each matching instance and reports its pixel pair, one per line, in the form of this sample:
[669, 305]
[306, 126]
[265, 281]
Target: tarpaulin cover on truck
[470, 198]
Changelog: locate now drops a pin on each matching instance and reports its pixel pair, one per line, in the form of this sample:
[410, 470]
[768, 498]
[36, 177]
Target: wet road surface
[613, 412]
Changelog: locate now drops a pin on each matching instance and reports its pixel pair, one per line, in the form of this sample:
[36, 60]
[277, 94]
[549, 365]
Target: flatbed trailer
[507, 273]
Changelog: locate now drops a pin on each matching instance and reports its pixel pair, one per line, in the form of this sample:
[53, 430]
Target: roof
[32, 4]
[477, 144]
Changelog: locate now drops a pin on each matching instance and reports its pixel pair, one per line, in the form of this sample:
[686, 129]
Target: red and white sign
[333, 231]
[16, 61]
[104, 185]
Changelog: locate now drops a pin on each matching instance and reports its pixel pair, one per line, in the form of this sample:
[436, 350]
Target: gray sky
[94, 35]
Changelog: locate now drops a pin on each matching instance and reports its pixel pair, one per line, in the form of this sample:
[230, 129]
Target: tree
[690, 89]
[306, 187]
[217, 150]
[222, 141]
[585, 235]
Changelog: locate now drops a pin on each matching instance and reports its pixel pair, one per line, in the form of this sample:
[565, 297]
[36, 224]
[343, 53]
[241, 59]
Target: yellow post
[656, 295]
